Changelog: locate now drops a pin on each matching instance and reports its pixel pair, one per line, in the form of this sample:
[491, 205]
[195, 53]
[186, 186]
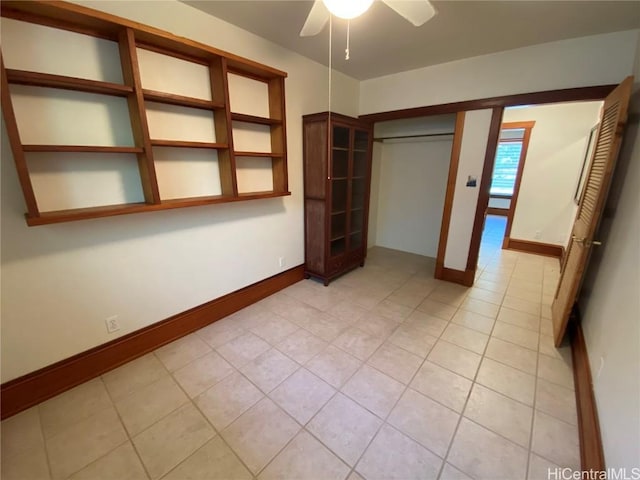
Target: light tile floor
[387, 373]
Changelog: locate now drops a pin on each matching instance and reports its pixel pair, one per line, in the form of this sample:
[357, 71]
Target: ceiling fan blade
[316, 20]
[417, 12]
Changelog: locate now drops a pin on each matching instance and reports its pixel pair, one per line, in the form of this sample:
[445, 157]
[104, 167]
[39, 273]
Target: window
[508, 155]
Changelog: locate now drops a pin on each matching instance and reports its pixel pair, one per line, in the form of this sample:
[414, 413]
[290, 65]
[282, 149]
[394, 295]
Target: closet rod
[380, 139]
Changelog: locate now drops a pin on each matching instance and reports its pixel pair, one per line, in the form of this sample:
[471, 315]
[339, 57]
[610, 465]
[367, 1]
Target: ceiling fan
[415, 11]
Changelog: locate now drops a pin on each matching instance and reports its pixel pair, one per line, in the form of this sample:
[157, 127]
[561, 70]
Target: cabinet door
[358, 191]
[340, 138]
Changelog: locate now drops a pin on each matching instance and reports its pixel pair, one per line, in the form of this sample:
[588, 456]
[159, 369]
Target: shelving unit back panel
[63, 181]
[187, 172]
[248, 96]
[63, 117]
[172, 122]
[254, 174]
[251, 137]
[36, 48]
[169, 74]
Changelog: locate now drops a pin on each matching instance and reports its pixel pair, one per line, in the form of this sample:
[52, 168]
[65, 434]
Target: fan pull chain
[346, 52]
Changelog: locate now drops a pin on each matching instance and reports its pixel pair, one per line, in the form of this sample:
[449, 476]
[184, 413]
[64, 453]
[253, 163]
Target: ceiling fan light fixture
[347, 9]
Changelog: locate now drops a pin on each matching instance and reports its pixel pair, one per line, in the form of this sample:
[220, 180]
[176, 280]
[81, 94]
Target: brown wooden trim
[528, 126]
[504, 212]
[550, 96]
[457, 276]
[59, 216]
[28, 390]
[97, 23]
[517, 125]
[448, 199]
[243, 117]
[485, 187]
[539, 248]
[180, 100]
[48, 80]
[591, 451]
[186, 144]
[498, 195]
[138, 115]
[16, 144]
[80, 148]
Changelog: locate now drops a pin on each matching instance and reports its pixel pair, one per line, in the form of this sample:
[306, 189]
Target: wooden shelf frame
[130, 36]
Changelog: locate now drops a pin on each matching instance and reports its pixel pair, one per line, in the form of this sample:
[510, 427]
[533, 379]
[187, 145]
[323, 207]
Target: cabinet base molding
[33, 388]
[539, 248]
[463, 277]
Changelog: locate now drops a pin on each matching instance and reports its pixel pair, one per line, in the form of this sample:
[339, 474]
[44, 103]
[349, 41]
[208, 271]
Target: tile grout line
[126, 431]
[44, 440]
[464, 407]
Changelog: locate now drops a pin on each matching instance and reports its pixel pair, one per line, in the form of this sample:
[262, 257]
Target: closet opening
[410, 167]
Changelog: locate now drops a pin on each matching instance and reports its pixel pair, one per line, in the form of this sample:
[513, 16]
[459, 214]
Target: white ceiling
[382, 42]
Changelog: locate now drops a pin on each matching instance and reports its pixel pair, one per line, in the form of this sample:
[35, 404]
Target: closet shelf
[81, 148]
[185, 144]
[171, 99]
[36, 79]
[242, 117]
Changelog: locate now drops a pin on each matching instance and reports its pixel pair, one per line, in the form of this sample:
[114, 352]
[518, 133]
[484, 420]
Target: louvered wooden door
[605, 153]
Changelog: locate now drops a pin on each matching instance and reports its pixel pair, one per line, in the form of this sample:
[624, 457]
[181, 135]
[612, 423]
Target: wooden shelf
[242, 117]
[171, 99]
[258, 154]
[338, 212]
[61, 216]
[184, 144]
[128, 36]
[35, 79]
[81, 148]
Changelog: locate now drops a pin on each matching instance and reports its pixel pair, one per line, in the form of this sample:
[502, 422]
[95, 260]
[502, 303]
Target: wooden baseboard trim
[33, 388]
[591, 451]
[546, 249]
[463, 277]
[504, 212]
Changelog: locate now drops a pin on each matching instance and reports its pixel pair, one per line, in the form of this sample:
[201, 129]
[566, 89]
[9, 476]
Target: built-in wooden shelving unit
[130, 38]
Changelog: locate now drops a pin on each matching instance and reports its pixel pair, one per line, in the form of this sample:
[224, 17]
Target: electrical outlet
[281, 262]
[538, 235]
[112, 324]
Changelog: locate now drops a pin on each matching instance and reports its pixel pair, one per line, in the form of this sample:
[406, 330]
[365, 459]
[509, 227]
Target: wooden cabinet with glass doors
[337, 177]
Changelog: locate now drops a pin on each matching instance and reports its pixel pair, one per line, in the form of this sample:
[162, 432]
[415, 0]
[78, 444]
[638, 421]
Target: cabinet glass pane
[357, 193]
[340, 164]
[359, 164]
[361, 140]
[355, 240]
[340, 137]
[338, 225]
[338, 195]
[337, 247]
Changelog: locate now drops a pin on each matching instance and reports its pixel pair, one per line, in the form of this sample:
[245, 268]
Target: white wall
[374, 196]
[465, 199]
[610, 305]
[60, 282]
[594, 60]
[409, 184]
[546, 209]
[413, 183]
